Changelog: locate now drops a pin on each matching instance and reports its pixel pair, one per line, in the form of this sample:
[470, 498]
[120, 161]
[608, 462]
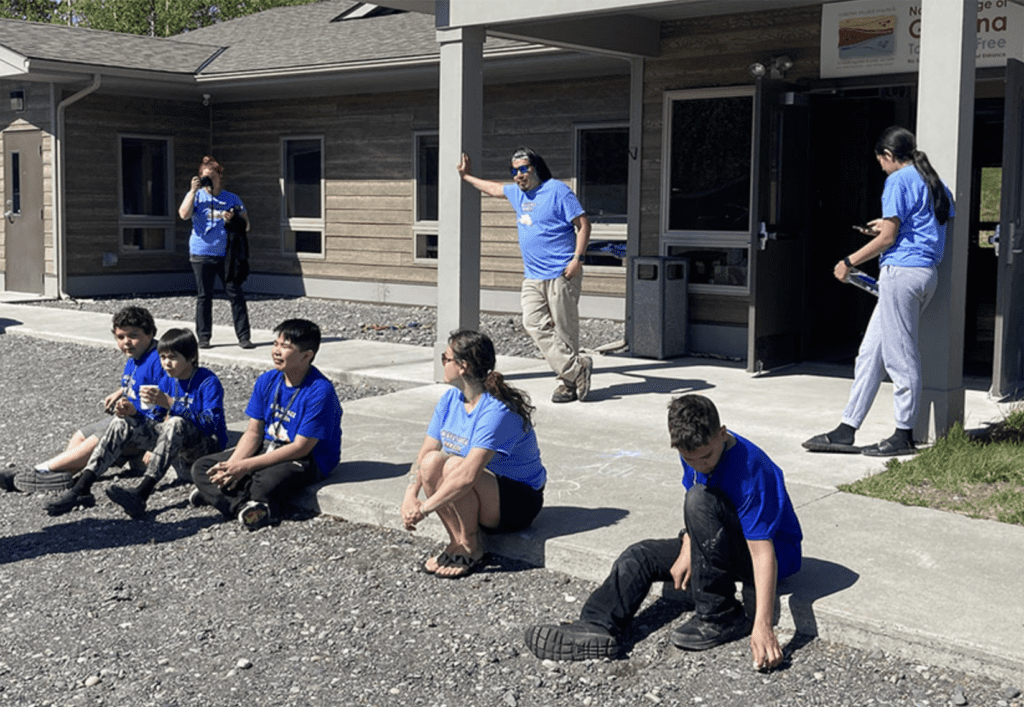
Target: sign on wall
[867, 37]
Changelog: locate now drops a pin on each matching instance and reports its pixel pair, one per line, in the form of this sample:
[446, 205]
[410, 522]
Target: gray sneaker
[33, 480]
[575, 641]
[583, 382]
[563, 394]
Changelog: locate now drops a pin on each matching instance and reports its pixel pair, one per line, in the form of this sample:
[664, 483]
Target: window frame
[126, 221]
[422, 230]
[711, 240]
[598, 231]
[297, 223]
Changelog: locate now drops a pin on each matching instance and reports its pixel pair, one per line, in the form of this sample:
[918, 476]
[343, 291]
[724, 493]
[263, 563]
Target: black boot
[133, 501]
[78, 495]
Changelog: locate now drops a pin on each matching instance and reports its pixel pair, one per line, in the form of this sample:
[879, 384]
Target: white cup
[143, 405]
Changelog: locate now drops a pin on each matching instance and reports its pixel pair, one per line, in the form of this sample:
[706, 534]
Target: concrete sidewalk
[929, 585]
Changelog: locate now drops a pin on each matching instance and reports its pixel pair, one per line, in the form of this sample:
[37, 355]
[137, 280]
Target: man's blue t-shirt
[208, 235]
[200, 400]
[921, 239]
[755, 485]
[547, 237]
[139, 372]
[311, 410]
[489, 425]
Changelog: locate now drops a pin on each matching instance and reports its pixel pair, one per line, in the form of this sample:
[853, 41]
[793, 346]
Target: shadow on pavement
[815, 580]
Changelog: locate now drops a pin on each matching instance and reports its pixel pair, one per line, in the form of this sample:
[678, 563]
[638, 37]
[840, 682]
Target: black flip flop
[822, 443]
[465, 562]
[442, 559]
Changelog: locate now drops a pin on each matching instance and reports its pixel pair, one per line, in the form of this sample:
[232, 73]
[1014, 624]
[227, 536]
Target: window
[706, 185]
[602, 179]
[302, 205]
[146, 221]
[425, 164]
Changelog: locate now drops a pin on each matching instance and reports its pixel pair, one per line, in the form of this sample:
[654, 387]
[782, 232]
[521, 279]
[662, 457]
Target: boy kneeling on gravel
[293, 438]
[740, 525]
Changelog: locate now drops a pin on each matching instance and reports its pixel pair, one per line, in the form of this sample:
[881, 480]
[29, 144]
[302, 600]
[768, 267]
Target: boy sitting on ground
[293, 438]
[194, 400]
[134, 331]
[740, 525]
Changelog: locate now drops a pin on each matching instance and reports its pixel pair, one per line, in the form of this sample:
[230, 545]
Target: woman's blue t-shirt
[921, 238]
[755, 485]
[208, 235]
[489, 425]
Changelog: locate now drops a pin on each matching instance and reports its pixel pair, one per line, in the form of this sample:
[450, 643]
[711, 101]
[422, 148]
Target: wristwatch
[846, 262]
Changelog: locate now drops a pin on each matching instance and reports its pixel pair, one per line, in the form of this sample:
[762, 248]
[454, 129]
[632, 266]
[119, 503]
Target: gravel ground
[179, 609]
[351, 320]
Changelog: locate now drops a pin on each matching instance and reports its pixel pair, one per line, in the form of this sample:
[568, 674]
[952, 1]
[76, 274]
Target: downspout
[59, 225]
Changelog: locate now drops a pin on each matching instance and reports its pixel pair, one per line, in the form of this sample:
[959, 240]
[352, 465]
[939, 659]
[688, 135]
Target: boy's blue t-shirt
[755, 485]
[144, 371]
[311, 410]
[547, 237]
[200, 400]
[208, 235]
[921, 239]
[489, 425]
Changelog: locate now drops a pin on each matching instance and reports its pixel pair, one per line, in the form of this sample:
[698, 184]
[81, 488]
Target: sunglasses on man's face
[521, 169]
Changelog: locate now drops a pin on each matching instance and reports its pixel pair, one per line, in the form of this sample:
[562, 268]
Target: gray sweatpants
[890, 345]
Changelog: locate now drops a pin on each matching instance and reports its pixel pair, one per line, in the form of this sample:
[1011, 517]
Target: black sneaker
[246, 344]
[699, 634]
[196, 500]
[575, 641]
[132, 503]
[254, 515]
[7, 480]
[68, 501]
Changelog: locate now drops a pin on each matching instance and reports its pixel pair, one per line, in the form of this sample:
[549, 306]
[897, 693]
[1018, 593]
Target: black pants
[206, 269]
[718, 558]
[272, 485]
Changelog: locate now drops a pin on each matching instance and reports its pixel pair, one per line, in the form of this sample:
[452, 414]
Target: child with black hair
[135, 335]
[293, 438]
[194, 426]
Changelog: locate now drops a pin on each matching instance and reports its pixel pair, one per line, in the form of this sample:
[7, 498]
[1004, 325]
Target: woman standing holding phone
[909, 239]
[211, 208]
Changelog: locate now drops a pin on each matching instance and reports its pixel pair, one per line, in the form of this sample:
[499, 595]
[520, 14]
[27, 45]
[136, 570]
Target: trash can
[660, 319]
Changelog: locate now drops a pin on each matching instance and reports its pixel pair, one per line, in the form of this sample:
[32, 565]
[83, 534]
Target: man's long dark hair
[901, 143]
[539, 165]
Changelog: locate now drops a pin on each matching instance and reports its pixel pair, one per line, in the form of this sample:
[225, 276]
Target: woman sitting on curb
[479, 466]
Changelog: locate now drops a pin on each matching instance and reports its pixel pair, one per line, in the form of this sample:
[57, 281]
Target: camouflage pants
[174, 443]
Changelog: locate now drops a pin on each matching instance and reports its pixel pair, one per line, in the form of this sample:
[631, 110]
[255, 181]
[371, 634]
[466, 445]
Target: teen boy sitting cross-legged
[293, 438]
[740, 525]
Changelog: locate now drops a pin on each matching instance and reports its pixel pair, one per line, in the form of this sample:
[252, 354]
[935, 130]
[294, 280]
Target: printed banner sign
[868, 37]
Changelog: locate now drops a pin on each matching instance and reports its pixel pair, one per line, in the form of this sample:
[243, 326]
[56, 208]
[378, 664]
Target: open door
[1008, 355]
[23, 210]
[779, 217]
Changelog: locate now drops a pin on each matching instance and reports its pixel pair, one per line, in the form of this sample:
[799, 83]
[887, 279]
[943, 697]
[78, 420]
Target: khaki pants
[551, 318]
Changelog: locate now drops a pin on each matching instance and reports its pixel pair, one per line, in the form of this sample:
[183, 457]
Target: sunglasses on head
[521, 169]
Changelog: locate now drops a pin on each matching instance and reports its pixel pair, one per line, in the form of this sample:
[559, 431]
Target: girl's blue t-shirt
[547, 237]
[921, 239]
[208, 235]
[139, 372]
[755, 485]
[489, 425]
[200, 400]
[311, 410]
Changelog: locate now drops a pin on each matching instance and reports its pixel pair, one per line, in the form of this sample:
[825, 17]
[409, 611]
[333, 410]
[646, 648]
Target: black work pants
[272, 485]
[206, 269]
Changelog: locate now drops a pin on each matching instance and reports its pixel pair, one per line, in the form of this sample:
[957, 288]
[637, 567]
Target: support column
[636, 127]
[945, 125]
[460, 113]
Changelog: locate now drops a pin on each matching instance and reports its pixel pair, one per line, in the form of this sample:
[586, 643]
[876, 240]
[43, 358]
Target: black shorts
[518, 504]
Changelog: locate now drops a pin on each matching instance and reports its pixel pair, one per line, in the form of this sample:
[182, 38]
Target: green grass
[978, 477]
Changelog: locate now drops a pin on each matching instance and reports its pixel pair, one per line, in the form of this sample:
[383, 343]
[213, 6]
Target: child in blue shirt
[134, 332]
[293, 438]
[194, 400]
[740, 525]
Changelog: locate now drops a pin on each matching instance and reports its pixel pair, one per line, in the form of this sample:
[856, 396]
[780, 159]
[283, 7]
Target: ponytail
[901, 144]
[515, 400]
